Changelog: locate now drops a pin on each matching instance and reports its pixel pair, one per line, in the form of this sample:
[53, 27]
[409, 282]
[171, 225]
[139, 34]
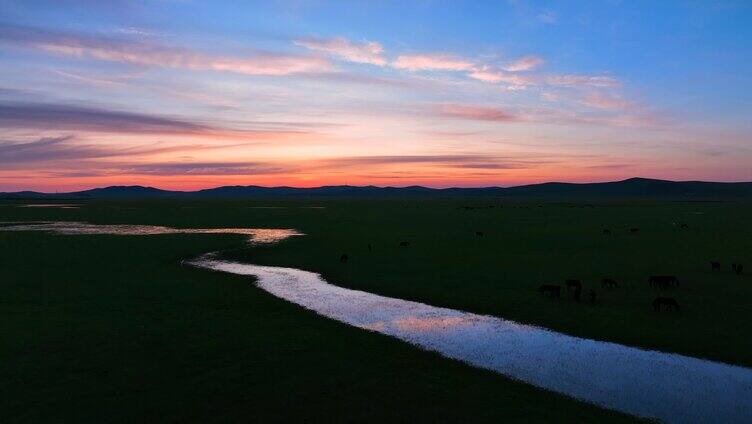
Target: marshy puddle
[664, 386]
[255, 235]
[650, 384]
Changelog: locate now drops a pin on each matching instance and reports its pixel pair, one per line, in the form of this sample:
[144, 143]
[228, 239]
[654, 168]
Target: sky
[187, 94]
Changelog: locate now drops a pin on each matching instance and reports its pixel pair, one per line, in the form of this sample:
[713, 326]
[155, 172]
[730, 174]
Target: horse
[663, 281]
[606, 232]
[669, 302]
[573, 284]
[553, 290]
[716, 266]
[343, 258]
[479, 233]
[609, 282]
[684, 226]
[404, 243]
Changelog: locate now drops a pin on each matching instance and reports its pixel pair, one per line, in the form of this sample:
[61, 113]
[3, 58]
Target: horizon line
[376, 186]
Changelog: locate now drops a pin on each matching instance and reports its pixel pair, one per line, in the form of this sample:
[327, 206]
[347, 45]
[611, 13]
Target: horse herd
[574, 287]
[574, 290]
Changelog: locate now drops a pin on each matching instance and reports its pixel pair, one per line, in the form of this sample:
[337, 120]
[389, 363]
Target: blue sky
[186, 94]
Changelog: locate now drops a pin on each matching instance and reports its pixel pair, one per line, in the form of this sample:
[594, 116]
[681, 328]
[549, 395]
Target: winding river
[664, 386]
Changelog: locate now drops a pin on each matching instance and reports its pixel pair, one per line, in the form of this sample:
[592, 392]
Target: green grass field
[112, 328]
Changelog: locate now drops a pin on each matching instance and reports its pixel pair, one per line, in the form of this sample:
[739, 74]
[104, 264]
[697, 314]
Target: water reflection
[664, 386]
[255, 235]
[51, 205]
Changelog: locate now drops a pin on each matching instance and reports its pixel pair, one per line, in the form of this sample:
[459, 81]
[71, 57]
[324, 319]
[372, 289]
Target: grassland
[108, 328]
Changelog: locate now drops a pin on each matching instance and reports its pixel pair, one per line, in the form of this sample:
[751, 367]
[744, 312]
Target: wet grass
[109, 328]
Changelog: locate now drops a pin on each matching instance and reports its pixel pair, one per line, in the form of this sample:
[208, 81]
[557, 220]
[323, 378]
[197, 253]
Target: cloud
[477, 113]
[468, 161]
[144, 53]
[432, 62]
[204, 168]
[582, 80]
[602, 101]
[366, 52]
[65, 148]
[525, 63]
[62, 117]
[486, 74]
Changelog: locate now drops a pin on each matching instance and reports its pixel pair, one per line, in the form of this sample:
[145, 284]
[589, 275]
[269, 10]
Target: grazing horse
[634, 230]
[663, 281]
[738, 268]
[606, 232]
[343, 258]
[553, 290]
[479, 233]
[404, 243]
[669, 302]
[609, 283]
[716, 266]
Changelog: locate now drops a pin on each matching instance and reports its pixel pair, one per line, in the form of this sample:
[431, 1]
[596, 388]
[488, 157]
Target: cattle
[634, 230]
[552, 290]
[737, 268]
[404, 243]
[609, 283]
[606, 232]
[669, 303]
[343, 258]
[715, 266]
[479, 233]
[663, 281]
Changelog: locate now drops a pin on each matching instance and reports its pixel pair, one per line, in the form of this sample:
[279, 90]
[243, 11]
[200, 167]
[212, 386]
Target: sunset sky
[185, 94]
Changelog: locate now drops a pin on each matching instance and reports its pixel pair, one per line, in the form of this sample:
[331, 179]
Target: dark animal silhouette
[573, 284]
[606, 232]
[591, 296]
[577, 294]
[663, 281]
[684, 226]
[668, 303]
[343, 258]
[609, 283]
[479, 233]
[552, 290]
[404, 243]
[634, 230]
[737, 268]
[370, 248]
[715, 266]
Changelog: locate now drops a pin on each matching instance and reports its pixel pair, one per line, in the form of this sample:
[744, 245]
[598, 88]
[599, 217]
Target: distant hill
[631, 188]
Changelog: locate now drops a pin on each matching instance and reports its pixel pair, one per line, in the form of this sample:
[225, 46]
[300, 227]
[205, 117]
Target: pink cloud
[139, 52]
[478, 113]
[486, 74]
[526, 63]
[583, 80]
[367, 52]
[432, 62]
[601, 101]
